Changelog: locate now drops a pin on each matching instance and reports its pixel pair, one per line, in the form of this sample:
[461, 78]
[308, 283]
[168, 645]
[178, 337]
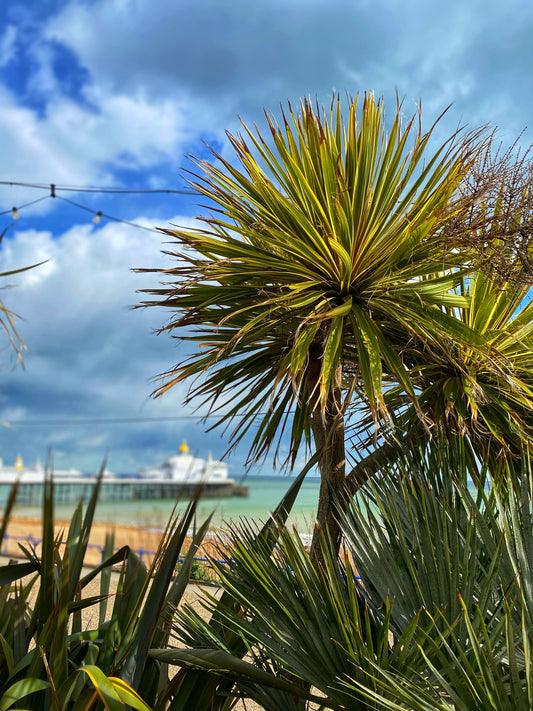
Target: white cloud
[158, 82]
[237, 58]
[43, 81]
[89, 354]
[73, 144]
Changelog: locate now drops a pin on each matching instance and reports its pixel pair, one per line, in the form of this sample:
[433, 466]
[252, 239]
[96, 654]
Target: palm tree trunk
[328, 433]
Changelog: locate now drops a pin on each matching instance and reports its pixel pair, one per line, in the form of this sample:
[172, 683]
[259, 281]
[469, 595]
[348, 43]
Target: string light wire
[99, 213]
[106, 420]
[93, 188]
[26, 204]
[121, 420]
[54, 188]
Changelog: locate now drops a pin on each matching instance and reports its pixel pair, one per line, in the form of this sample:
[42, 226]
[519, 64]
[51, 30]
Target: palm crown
[487, 399]
[312, 249]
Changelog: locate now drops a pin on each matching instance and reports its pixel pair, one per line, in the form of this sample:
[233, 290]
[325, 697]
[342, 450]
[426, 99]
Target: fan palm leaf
[436, 622]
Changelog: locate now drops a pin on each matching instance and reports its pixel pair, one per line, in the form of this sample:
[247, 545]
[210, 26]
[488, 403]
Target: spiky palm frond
[8, 318]
[491, 666]
[298, 623]
[438, 620]
[421, 538]
[484, 398]
[313, 242]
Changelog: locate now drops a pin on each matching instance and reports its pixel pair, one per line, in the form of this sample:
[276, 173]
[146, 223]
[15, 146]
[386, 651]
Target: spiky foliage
[8, 318]
[317, 248]
[46, 655]
[203, 689]
[310, 247]
[437, 621]
[496, 224]
[486, 400]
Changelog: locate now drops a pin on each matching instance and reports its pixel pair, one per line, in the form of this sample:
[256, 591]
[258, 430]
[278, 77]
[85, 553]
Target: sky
[117, 93]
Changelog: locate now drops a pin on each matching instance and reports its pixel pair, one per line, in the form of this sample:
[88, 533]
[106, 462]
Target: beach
[28, 530]
[144, 540]
[265, 493]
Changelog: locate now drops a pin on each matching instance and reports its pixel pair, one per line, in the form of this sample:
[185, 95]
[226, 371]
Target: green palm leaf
[317, 265]
[482, 395]
[332, 222]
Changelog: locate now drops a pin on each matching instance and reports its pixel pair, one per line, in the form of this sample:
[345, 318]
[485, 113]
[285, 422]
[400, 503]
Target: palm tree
[487, 401]
[312, 251]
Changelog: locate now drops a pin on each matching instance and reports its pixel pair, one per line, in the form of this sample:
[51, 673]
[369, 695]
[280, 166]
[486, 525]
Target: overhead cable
[92, 188]
[113, 420]
[98, 214]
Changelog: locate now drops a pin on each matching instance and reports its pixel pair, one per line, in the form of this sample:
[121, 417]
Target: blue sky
[117, 93]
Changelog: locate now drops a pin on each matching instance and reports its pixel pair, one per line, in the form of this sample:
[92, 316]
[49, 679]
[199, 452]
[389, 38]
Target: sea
[265, 493]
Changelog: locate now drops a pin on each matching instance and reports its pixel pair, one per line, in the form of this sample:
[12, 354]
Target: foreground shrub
[430, 609]
[47, 660]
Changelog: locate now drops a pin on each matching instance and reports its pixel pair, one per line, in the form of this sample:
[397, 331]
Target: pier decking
[71, 491]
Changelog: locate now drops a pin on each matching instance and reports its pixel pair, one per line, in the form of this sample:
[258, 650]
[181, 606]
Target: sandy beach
[29, 530]
[142, 539]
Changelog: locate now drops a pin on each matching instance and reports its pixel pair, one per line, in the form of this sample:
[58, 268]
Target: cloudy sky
[112, 93]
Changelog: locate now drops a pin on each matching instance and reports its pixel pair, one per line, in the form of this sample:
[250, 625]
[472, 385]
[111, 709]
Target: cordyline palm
[487, 401]
[310, 246]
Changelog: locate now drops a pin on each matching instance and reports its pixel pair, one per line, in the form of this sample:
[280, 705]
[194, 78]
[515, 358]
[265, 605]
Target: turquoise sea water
[264, 495]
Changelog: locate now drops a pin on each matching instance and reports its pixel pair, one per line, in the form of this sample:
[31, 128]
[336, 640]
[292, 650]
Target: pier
[71, 491]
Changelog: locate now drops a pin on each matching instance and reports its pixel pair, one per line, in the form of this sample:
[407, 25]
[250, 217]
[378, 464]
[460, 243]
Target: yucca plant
[315, 248]
[49, 662]
[47, 657]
